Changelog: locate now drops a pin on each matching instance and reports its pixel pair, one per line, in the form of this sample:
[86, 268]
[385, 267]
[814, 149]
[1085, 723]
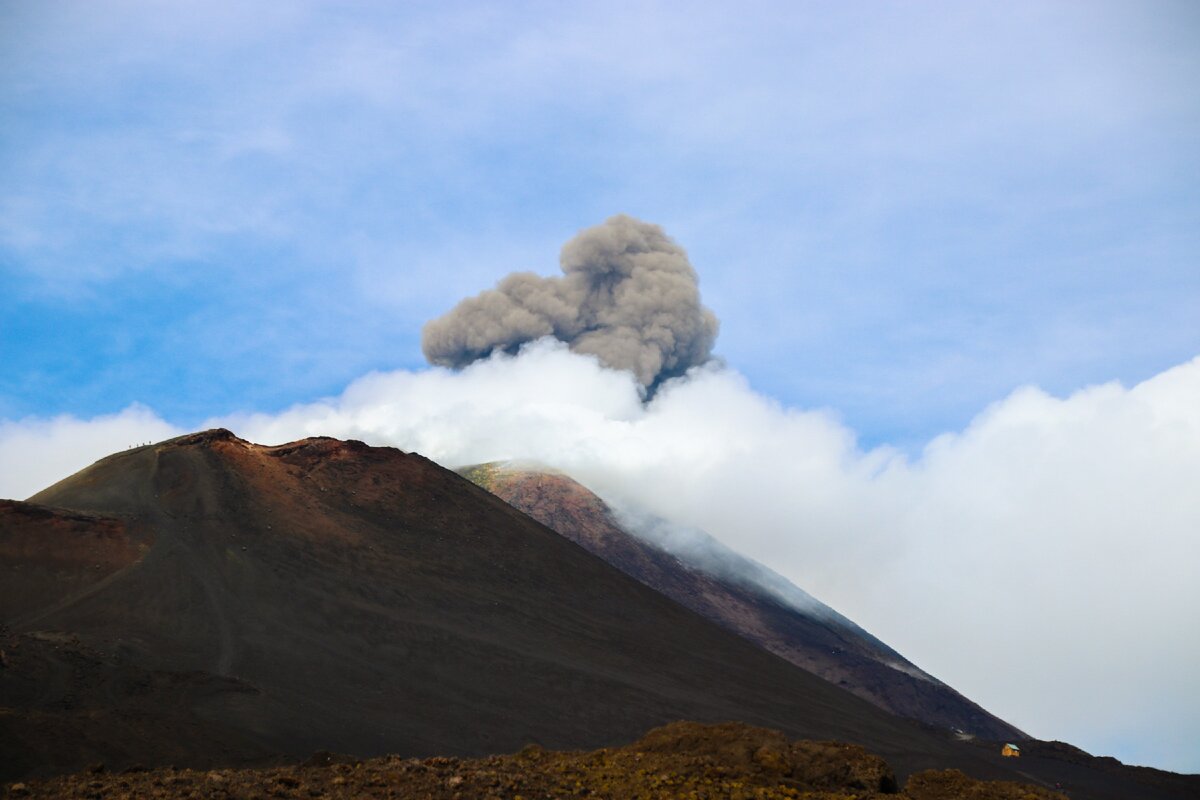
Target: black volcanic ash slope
[816, 638]
[328, 595]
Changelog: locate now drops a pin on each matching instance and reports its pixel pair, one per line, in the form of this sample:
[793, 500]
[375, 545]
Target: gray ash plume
[628, 295]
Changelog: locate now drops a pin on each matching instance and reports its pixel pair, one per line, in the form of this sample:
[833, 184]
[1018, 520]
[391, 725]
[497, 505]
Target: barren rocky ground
[682, 760]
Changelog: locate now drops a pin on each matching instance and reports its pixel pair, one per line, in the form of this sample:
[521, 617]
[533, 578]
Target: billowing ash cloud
[628, 295]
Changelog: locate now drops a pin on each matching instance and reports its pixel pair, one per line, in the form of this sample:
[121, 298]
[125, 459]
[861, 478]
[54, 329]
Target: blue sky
[900, 212]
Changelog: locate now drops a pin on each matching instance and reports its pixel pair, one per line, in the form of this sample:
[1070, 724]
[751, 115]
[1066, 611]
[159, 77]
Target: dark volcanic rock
[47, 552]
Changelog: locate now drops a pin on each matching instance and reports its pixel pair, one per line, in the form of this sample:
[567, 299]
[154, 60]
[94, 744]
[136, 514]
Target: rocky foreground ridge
[681, 760]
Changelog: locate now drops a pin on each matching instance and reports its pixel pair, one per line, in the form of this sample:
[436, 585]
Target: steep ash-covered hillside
[744, 597]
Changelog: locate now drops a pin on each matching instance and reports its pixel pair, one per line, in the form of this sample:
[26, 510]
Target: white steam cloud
[1045, 561]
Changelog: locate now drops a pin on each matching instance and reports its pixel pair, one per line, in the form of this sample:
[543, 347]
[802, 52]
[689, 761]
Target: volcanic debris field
[682, 760]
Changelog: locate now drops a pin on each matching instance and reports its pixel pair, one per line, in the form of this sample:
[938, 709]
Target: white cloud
[35, 453]
[1044, 557]
[1041, 558]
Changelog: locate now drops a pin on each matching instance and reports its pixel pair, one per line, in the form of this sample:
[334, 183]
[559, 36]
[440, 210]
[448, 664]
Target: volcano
[208, 601]
[744, 597]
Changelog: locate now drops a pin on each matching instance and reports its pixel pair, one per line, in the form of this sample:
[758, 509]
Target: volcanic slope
[730, 590]
[255, 603]
[329, 595]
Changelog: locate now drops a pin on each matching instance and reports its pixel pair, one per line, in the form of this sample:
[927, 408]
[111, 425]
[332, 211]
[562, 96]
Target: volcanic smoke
[628, 295]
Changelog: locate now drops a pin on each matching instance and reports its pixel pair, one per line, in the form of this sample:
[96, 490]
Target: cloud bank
[628, 296]
[36, 453]
[1041, 558]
